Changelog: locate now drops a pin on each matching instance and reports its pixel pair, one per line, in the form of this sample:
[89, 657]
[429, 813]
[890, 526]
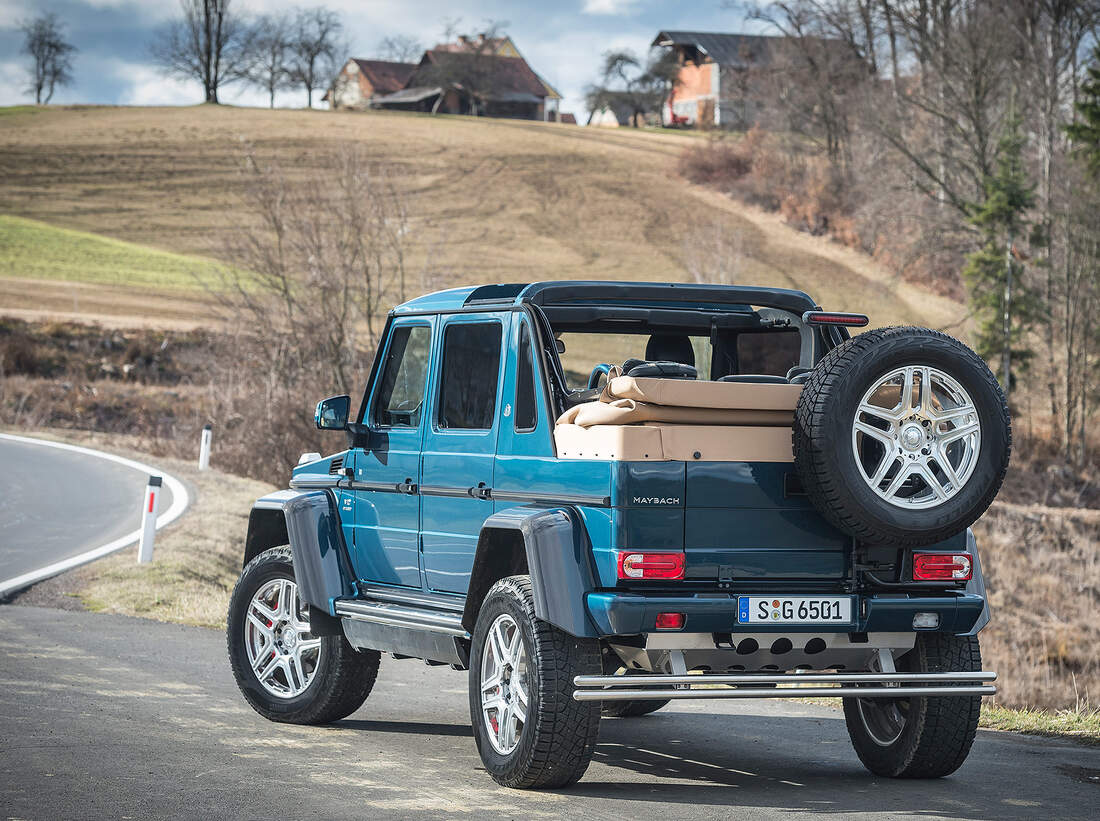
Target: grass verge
[196, 559]
[34, 250]
[1081, 723]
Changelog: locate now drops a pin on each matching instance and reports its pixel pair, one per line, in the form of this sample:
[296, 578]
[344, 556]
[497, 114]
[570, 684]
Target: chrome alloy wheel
[916, 437]
[283, 653]
[504, 684]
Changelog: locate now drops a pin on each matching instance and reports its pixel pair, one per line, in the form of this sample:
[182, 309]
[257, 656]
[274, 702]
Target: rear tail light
[651, 565]
[669, 621]
[833, 318]
[942, 567]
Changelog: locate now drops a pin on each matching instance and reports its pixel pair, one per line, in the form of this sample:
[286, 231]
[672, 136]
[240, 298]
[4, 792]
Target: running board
[800, 685]
[396, 615]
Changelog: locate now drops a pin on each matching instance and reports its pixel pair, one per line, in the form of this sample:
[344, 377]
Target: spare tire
[902, 436]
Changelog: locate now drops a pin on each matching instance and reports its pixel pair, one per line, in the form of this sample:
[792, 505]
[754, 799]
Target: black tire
[342, 679]
[556, 743]
[823, 430]
[937, 733]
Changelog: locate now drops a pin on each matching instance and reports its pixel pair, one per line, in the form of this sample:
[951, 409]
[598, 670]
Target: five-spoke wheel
[504, 684]
[283, 653]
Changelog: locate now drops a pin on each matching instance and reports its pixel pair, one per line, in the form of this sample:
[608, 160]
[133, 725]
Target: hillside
[499, 200]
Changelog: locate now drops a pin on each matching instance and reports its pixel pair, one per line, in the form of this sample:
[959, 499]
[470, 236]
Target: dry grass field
[496, 200]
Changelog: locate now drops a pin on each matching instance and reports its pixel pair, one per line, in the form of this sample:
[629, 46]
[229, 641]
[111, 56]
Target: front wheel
[285, 672]
[528, 729]
[919, 737]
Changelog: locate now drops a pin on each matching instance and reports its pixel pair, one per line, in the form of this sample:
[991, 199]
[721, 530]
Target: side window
[469, 370]
[526, 404]
[400, 398]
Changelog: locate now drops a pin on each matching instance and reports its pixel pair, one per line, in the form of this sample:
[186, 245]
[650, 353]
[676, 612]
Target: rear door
[387, 507]
[460, 447]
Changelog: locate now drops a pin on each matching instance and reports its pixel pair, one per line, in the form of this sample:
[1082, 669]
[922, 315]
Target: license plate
[794, 610]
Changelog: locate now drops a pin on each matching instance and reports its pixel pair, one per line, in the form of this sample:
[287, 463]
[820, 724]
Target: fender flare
[976, 585]
[309, 521]
[550, 544]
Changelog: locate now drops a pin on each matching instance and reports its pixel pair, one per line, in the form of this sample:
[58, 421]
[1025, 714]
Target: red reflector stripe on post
[670, 621]
[832, 318]
[150, 502]
[936, 567]
[651, 565]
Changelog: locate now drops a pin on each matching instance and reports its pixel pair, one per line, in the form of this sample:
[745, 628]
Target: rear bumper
[627, 614]
[783, 685]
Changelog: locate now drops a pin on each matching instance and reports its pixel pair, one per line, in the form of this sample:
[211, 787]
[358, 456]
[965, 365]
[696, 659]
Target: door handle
[481, 492]
[407, 487]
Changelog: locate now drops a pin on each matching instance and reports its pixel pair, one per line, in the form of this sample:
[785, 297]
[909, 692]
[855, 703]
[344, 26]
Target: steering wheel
[594, 378]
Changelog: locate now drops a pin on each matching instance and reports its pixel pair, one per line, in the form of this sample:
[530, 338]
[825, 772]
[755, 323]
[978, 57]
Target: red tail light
[651, 565]
[833, 318]
[669, 621]
[942, 567]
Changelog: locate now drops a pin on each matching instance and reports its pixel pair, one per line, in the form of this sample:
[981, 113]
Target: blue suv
[601, 496]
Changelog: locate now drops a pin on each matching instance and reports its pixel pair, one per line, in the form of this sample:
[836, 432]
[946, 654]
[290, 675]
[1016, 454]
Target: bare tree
[400, 48]
[51, 56]
[715, 254]
[270, 54]
[625, 81]
[210, 44]
[314, 271]
[317, 48]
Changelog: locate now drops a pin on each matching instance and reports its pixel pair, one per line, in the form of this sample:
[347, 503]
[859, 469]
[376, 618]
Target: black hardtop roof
[681, 294]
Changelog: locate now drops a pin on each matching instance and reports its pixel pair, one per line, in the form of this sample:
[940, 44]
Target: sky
[563, 40]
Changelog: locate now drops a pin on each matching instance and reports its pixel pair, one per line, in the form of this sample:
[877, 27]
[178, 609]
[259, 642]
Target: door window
[401, 392]
[469, 370]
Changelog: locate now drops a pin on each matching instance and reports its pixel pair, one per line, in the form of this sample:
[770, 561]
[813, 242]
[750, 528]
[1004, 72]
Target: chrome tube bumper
[798, 685]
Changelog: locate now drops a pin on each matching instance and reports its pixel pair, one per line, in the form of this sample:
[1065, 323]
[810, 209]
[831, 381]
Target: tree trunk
[1006, 326]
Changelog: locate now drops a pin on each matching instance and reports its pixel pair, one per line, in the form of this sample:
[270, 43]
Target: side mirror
[332, 413]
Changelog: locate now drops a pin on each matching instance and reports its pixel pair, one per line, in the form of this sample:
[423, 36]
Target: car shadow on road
[406, 727]
[794, 764]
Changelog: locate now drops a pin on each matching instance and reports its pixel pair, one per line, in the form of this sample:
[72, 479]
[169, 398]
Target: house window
[469, 370]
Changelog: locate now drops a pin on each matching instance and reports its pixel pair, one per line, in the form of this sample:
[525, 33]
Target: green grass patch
[18, 109]
[1082, 723]
[34, 250]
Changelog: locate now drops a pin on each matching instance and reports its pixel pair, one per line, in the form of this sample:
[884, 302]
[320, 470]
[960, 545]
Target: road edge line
[181, 499]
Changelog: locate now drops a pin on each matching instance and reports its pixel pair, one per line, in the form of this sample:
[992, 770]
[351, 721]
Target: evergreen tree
[1005, 306]
[1086, 131]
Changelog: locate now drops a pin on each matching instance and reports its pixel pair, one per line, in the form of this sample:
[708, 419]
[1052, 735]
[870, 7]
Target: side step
[799, 685]
[432, 634]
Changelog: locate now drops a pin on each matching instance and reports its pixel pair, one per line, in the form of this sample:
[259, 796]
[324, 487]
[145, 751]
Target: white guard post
[149, 520]
[204, 448]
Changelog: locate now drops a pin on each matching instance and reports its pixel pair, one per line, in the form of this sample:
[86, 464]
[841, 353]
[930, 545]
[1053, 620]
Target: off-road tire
[938, 731]
[822, 436]
[344, 677]
[557, 741]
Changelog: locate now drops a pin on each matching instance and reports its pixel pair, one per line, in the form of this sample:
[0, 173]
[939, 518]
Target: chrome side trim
[443, 490]
[380, 487]
[407, 617]
[414, 598]
[551, 498]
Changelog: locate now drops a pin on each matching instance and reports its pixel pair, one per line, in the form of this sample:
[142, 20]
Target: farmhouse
[484, 76]
[360, 81]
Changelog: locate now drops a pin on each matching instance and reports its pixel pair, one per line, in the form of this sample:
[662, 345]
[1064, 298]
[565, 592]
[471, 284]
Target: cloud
[607, 7]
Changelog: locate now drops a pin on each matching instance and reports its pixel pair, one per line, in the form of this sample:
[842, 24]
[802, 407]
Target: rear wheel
[285, 672]
[528, 729]
[919, 737]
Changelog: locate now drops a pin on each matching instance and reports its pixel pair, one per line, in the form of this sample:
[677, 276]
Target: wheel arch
[309, 522]
[548, 544]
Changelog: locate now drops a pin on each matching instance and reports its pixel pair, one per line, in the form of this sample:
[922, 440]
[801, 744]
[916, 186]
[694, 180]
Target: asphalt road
[55, 504]
[112, 717]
